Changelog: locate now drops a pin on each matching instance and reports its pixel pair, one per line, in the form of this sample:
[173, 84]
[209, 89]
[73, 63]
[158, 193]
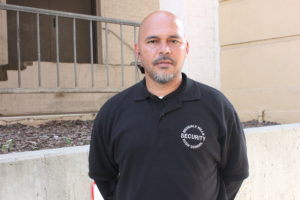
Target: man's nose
[164, 48]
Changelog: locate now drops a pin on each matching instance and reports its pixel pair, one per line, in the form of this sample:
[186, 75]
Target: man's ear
[136, 50]
[187, 48]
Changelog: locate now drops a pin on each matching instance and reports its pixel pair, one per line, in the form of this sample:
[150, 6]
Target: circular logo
[193, 136]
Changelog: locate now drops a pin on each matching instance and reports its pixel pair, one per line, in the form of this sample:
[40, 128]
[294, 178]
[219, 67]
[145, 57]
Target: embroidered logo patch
[193, 136]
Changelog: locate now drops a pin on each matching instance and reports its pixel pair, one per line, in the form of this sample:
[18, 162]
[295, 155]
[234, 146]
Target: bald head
[160, 17]
[162, 47]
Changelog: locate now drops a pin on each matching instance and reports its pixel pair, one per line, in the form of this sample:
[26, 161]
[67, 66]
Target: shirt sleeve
[102, 167]
[234, 167]
[232, 188]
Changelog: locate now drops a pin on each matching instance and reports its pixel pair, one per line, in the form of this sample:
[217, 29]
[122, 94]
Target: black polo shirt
[185, 146]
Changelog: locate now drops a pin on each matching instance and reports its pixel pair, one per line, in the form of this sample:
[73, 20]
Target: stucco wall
[260, 58]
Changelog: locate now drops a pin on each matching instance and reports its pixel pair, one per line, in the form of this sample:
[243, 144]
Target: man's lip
[165, 62]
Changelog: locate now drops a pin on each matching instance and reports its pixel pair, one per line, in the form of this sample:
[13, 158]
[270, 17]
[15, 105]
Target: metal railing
[58, 14]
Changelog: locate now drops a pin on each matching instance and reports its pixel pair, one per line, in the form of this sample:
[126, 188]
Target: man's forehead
[161, 23]
[167, 36]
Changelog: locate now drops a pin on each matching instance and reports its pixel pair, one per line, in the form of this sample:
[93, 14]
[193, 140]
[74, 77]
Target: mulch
[55, 134]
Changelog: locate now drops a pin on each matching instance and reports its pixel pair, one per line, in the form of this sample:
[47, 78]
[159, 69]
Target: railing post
[106, 54]
[55, 15]
[92, 53]
[122, 56]
[57, 51]
[38, 48]
[19, 49]
[75, 52]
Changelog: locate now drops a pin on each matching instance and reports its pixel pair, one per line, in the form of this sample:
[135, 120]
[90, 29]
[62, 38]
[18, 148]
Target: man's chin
[163, 78]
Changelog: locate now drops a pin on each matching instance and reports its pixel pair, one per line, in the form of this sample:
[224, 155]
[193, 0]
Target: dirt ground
[55, 134]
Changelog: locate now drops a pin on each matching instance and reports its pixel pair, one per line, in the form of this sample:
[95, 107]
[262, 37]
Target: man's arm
[232, 188]
[102, 167]
[106, 188]
[234, 157]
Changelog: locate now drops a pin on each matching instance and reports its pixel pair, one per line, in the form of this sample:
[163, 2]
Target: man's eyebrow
[175, 36]
[156, 37]
[151, 37]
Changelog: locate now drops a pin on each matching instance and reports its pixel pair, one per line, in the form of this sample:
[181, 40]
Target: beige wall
[260, 59]
[128, 9]
[125, 10]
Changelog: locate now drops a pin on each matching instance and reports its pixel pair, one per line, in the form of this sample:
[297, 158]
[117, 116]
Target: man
[167, 137]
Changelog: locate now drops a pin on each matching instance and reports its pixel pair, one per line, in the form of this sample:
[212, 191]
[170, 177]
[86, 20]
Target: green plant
[8, 146]
[68, 141]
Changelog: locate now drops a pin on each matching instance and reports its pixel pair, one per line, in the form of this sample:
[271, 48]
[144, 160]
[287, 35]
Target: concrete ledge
[274, 158]
[62, 174]
[42, 154]
[58, 174]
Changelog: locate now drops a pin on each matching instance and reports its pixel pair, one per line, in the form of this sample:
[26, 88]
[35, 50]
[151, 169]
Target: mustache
[163, 58]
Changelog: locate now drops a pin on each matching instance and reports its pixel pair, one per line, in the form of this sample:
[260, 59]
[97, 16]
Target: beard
[162, 78]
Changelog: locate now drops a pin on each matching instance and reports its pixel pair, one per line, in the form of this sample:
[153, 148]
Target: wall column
[200, 19]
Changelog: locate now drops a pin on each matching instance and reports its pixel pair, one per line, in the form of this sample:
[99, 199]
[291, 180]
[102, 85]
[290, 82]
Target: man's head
[162, 46]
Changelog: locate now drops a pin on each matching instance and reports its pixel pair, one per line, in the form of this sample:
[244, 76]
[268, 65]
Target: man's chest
[187, 133]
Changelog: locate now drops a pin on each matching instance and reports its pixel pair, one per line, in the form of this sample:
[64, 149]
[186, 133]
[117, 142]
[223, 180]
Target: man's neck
[163, 89]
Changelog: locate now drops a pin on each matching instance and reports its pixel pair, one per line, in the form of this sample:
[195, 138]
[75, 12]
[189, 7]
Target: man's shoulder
[207, 91]
[211, 95]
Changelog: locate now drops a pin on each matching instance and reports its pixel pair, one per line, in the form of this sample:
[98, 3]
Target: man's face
[162, 47]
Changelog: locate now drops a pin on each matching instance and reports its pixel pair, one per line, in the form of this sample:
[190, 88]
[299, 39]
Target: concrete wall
[51, 103]
[29, 76]
[274, 163]
[260, 58]
[61, 174]
[201, 23]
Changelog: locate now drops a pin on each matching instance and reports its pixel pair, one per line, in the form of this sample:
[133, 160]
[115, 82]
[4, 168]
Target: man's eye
[175, 41]
[151, 41]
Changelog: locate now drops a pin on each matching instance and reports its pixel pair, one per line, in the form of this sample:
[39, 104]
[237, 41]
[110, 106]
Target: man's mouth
[164, 60]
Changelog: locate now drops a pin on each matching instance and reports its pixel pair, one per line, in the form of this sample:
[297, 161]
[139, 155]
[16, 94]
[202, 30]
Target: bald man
[167, 137]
